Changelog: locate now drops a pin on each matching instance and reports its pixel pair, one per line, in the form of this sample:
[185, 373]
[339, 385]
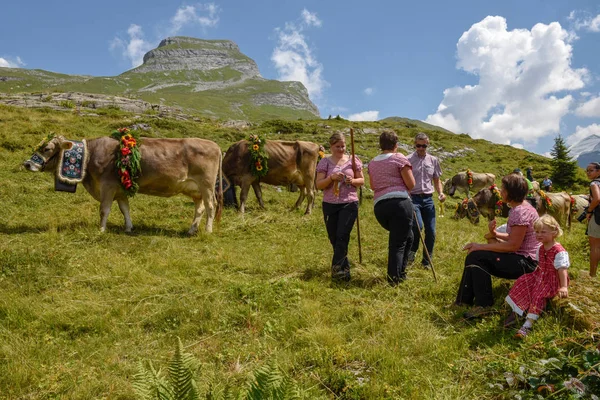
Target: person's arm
[437, 184]
[324, 181]
[408, 177]
[512, 243]
[358, 179]
[595, 200]
[563, 291]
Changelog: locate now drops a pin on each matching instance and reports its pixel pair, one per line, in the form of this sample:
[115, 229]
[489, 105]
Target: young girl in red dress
[531, 291]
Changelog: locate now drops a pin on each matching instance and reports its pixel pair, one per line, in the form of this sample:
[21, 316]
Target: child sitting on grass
[531, 291]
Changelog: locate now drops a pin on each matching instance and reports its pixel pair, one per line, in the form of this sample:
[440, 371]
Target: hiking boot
[340, 274]
[522, 332]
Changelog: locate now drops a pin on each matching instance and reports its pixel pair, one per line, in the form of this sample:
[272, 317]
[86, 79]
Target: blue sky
[513, 72]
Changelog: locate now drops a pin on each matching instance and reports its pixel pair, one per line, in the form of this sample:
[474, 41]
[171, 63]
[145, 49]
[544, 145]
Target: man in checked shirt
[427, 172]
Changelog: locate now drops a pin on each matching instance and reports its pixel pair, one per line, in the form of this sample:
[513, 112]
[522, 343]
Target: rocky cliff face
[185, 53]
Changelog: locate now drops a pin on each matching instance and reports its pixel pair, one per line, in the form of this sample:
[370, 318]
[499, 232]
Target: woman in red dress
[531, 291]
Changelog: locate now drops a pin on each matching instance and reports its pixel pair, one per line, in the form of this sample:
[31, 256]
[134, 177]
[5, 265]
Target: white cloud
[191, 15]
[369, 91]
[590, 108]
[517, 145]
[293, 57]
[586, 22]
[135, 47]
[581, 132]
[521, 73]
[547, 154]
[7, 63]
[364, 116]
[311, 19]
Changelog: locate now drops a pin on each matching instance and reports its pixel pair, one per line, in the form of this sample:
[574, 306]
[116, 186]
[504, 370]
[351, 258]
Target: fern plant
[267, 382]
[150, 384]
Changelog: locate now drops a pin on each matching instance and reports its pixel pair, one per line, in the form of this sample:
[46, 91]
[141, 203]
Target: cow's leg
[203, 202]
[300, 198]
[124, 207]
[244, 188]
[258, 193]
[108, 195]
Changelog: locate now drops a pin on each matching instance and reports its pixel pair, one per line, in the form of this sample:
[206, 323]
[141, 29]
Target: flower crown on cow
[44, 142]
[128, 159]
[258, 156]
[497, 199]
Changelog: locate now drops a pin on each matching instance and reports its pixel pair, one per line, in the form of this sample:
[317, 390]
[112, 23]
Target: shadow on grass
[25, 228]
[149, 230]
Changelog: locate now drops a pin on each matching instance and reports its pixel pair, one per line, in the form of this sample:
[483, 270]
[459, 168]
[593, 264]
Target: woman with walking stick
[338, 180]
[391, 178]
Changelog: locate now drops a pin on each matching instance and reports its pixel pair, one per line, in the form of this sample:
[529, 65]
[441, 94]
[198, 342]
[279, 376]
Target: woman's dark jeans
[339, 221]
[396, 216]
[480, 266]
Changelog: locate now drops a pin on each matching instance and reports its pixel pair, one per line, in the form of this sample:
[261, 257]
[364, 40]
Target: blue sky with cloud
[513, 72]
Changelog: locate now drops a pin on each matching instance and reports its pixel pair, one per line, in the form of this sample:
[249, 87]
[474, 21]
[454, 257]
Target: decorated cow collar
[73, 162]
[469, 178]
[545, 198]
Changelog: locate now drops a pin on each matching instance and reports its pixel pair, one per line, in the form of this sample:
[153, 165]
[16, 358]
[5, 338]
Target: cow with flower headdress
[116, 168]
[248, 163]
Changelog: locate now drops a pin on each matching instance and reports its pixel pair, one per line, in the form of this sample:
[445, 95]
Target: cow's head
[45, 152]
[467, 208]
[448, 187]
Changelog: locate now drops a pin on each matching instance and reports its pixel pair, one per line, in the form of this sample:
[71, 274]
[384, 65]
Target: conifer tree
[564, 169]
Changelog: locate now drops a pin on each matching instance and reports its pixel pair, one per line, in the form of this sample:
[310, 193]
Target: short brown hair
[388, 139]
[515, 186]
[336, 137]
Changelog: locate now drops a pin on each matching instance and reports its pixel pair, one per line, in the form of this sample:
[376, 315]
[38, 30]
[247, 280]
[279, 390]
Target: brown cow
[289, 162]
[168, 167]
[459, 181]
[560, 208]
[484, 202]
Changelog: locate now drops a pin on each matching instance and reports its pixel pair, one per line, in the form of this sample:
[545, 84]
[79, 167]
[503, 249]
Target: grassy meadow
[79, 309]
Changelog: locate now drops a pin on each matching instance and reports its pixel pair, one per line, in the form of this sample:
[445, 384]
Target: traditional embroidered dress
[531, 291]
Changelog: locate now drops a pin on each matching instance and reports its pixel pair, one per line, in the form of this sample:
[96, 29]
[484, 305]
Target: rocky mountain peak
[181, 53]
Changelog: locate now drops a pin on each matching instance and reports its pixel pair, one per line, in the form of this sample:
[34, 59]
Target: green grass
[79, 309]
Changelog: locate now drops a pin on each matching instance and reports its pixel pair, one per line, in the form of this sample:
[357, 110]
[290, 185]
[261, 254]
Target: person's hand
[336, 176]
[470, 247]
[588, 216]
[348, 179]
[442, 197]
[563, 292]
[492, 226]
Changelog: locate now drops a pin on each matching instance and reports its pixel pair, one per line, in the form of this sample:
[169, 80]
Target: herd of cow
[560, 205]
[195, 167]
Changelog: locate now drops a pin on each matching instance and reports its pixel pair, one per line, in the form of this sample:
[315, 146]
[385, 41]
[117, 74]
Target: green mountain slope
[206, 77]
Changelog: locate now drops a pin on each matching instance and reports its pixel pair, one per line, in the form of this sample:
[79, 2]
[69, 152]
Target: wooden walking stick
[423, 244]
[354, 171]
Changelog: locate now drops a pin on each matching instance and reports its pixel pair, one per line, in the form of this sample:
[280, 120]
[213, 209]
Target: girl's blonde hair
[336, 137]
[549, 221]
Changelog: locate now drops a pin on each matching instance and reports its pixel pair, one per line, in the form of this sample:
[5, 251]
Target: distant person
[531, 291]
[391, 178]
[530, 197]
[338, 181]
[547, 184]
[529, 174]
[506, 255]
[593, 230]
[427, 172]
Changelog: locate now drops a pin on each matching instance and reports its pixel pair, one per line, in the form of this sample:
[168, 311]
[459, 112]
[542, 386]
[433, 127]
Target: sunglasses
[421, 146]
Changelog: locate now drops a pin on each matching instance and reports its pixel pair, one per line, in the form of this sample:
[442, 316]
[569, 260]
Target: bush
[67, 104]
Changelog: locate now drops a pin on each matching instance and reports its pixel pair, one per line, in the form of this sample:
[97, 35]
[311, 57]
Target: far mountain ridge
[207, 77]
[585, 151]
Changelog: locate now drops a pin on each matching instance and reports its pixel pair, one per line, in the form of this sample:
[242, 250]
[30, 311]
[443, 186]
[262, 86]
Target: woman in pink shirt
[391, 178]
[338, 180]
[506, 255]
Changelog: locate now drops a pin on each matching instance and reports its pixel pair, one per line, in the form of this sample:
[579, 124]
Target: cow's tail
[570, 215]
[220, 188]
